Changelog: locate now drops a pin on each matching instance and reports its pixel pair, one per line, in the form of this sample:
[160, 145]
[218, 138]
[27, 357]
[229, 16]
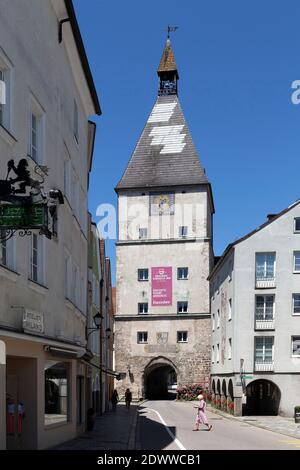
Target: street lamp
[97, 320]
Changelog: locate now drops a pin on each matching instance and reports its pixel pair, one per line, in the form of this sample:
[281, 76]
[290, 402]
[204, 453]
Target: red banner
[161, 286]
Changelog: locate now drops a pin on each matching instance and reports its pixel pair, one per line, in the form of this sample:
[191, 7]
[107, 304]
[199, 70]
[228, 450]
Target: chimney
[271, 216]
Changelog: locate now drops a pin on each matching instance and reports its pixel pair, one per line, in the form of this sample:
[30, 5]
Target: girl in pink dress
[201, 417]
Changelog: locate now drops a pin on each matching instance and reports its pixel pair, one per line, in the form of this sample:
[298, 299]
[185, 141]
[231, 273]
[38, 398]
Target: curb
[256, 425]
[132, 444]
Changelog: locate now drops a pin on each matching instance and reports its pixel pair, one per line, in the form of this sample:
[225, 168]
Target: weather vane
[171, 29]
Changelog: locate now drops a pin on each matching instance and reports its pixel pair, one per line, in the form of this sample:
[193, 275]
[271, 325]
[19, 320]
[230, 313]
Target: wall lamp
[97, 320]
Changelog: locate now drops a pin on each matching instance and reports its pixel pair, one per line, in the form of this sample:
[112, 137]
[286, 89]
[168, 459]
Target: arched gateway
[160, 379]
[263, 398]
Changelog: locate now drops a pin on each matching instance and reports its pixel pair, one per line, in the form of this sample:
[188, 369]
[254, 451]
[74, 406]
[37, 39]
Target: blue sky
[236, 60]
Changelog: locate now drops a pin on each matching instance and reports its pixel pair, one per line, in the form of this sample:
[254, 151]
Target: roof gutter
[82, 55]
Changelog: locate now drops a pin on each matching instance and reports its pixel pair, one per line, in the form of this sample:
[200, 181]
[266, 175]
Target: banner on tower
[161, 286]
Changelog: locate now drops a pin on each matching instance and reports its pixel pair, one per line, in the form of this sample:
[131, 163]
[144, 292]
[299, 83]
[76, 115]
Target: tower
[164, 253]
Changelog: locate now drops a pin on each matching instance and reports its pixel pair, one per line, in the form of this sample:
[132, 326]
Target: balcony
[265, 282]
[264, 323]
[264, 366]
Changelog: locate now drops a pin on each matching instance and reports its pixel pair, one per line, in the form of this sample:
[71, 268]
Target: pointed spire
[167, 62]
[167, 72]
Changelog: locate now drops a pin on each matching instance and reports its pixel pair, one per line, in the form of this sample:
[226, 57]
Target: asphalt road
[168, 425]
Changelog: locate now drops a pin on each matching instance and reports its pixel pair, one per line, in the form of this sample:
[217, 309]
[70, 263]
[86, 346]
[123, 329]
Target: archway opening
[263, 398]
[224, 389]
[160, 382]
[230, 389]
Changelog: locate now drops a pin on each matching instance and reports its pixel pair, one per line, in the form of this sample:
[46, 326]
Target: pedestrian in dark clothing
[114, 399]
[128, 398]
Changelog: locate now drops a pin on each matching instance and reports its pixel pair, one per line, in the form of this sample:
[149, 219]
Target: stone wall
[191, 360]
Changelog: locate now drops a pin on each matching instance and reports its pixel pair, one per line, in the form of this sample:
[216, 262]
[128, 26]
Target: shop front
[39, 392]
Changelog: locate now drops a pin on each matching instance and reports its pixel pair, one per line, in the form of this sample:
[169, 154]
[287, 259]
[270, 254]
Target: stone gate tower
[164, 253]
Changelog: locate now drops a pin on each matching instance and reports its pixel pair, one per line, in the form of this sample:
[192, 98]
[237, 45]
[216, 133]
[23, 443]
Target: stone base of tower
[154, 368]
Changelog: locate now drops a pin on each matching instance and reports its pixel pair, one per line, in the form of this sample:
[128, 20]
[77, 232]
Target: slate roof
[165, 154]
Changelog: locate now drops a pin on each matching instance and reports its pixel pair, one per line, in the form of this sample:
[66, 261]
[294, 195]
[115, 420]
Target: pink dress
[201, 417]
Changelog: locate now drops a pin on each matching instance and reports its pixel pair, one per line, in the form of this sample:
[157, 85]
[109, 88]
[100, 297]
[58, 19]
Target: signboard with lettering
[33, 322]
[32, 216]
[161, 286]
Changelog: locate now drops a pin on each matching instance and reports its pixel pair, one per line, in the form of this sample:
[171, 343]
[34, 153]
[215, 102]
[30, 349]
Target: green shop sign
[31, 216]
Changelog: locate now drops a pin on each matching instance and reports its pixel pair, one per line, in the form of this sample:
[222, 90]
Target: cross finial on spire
[171, 29]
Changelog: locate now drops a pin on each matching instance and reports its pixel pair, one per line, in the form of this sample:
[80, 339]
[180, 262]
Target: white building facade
[43, 290]
[255, 308]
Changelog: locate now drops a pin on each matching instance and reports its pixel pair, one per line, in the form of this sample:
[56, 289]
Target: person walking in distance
[114, 399]
[201, 417]
[128, 398]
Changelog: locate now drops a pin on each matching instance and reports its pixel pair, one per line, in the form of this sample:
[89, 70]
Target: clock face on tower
[162, 204]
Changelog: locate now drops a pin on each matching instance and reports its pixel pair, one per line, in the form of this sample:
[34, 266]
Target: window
[218, 353]
[75, 285]
[213, 354]
[34, 137]
[229, 309]
[67, 174]
[264, 307]
[142, 337]
[143, 274]
[68, 276]
[265, 266]
[142, 233]
[182, 336]
[36, 132]
[218, 318]
[296, 261]
[75, 194]
[95, 292]
[183, 231]
[229, 348]
[56, 392]
[36, 259]
[75, 122]
[213, 322]
[264, 349]
[82, 210]
[296, 346]
[3, 249]
[143, 307]
[296, 304]
[5, 98]
[182, 307]
[182, 273]
[6, 251]
[297, 224]
[2, 96]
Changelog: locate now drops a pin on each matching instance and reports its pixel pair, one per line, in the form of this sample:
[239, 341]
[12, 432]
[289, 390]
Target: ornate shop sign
[24, 205]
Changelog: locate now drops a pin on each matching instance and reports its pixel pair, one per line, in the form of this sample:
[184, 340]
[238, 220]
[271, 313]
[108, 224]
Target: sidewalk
[112, 431]
[279, 424]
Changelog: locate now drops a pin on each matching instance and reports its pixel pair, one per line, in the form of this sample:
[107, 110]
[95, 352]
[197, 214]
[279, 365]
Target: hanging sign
[31, 216]
[161, 286]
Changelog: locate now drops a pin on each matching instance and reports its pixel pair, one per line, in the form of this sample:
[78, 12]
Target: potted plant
[297, 414]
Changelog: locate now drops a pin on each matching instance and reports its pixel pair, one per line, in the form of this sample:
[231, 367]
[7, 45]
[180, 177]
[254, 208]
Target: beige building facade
[164, 254]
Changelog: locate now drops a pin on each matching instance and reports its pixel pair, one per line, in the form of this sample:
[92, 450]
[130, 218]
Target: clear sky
[236, 60]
